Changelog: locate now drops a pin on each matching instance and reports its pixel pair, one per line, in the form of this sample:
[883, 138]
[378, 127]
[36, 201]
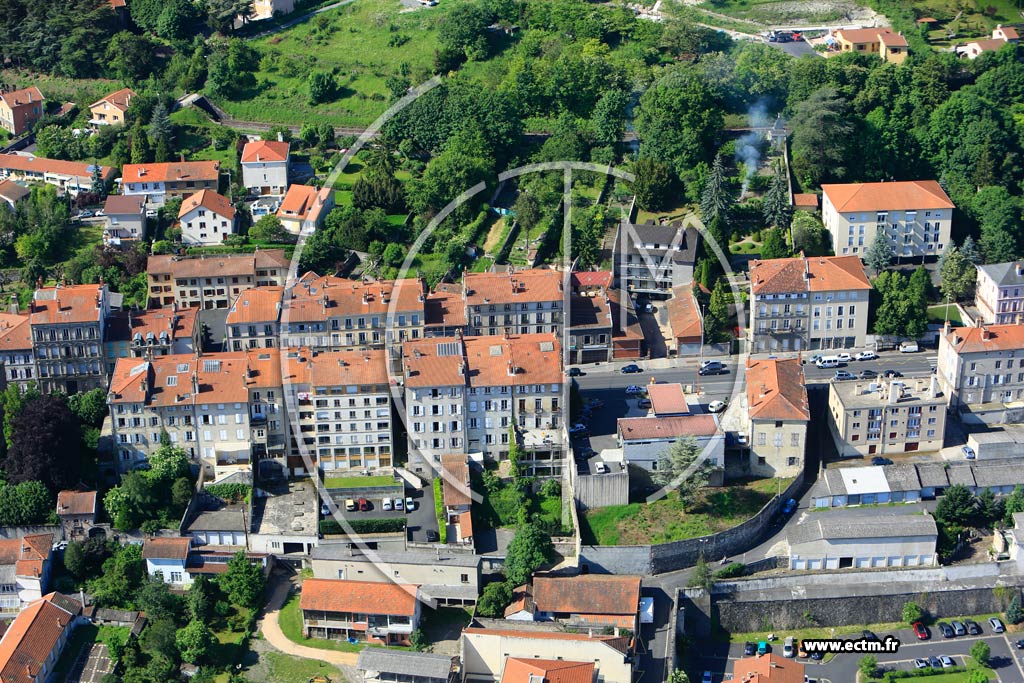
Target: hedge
[229, 492]
[442, 526]
[363, 526]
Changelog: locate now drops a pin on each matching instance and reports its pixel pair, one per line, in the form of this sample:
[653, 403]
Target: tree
[977, 676]
[776, 209]
[956, 274]
[822, 138]
[496, 597]
[717, 319]
[322, 87]
[868, 666]
[528, 550]
[166, 464]
[243, 582]
[1013, 503]
[270, 229]
[393, 255]
[609, 117]
[701, 576]
[1014, 614]
[970, 250]
[46, 444]
[175, 19]
[89, 406]
[74, 559]
[716, 198]
[194, 641]
[140, 145]
[879, 253]
[653, 184]
[130, 57]
[678, 676]
[912, 612]
[809, 235]
[681, 465]
[981, 652]
[957, 506]
[14, 400]
[155, 598]
[160, 126]
[122, 574]
[774, 244]
[463, 31]
[200, 598]
[999, 216]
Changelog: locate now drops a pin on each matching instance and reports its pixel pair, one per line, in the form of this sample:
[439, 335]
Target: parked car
[601, 468]
[866, 355]
[973, 628]
[716, 406]
[934, 662]
[869, 635]
[969, 452]
[892, 374]
[1020, 644]
[844, 357]
[631, 369]
[868, 374]
[578, 430]
[762, 647]
[85, 214]
[576, 372]
[644, 403]
[844, 375]
[920, 631]
[945, 629]
[633, 390]
[432, 536]
[749, 649]
[997, 625]
[325, 509]
[399, 505]
[152, 213]
[909, 347]
[814, 359]
[947, 662]
[385, 504]
[879, 460]
[410, 504]
[364, 505]
[788, 649]
[712, 367]
[800, 651]
[789, 506]
[350, 505]
[920, 663]
[958, 628]
[706, 678]
[817, 655]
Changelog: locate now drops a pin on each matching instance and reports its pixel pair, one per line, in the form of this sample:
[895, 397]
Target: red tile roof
[521, 670]
[587, 594]
[986, 339]
[898, 196]
[76, 503]
[684, 315]
[265, 150]
[667, 399]
[769, 668]
[27, 554]
[516, 287]
[166, 548]
[347, 368]
[256, 305]
[132, 204]
[207, 199]
[15, 332]
[119, 99]
[13, 192]
[455, 480]
[217, 265]
[125, 324]
[31, 639]
[526, 359]
[22, 98]
[360, 597]
[868, 35]
[805, 200]
[426, 363]
[776, 390]
[171, 171]
[592, 278]
[811, 274]
[316, 297]
[444, 307]
[667, 427]
[303, 202]
[21, 164]
[1009, 31]
[67, 304]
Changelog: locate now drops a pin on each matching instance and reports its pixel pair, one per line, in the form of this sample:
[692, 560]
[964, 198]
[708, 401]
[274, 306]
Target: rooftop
[684, 315]
[217, 265]
[209, 200]
[265, 150]
[119, 99]
[67, 304]
[166, 548]
[12, 191]
[30, 640]
[76, 503]
[315, 298]
[808, 274]
[22, 98]
[854, 394]
[893, 196]
[986, 339]
[531, 670]
[633, 428]
[25, 163]
[667, 399]
[171, 171]
[124, 204]
[442, 557]
[514, 286]
[291, 511]
[776, 390]
[364, 597]
[413, 664]
[162, 325]
[863, 523]
[587, 594]
[256, 305]
[770, 668]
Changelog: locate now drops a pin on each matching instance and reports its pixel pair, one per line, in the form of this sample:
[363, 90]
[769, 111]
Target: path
[273, 634]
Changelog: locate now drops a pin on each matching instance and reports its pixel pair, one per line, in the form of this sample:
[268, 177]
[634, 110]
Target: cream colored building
[916, 217]
[213, 281]
[886, 416]
[982, 367]
[777, 414]
[999, 293]
[514, 302]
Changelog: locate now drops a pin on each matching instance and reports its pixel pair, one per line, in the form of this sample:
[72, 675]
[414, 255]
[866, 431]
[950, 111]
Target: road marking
[1013, 656]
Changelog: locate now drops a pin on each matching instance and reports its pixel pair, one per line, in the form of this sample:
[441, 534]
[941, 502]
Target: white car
[788, 648]
[385, 504]
[410, 504]
[399, 504]
[633, 390]
[844, 357]
[151, 213]
[921, 663]
[947, 662]
[866, 355]
[716, 406]
[601, 468]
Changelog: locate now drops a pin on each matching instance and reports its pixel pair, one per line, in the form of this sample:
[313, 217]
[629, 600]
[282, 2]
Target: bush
[1014, 614]
[363, 526]
[912, 612]
[981, 652]
[731, 571]
[229, 492]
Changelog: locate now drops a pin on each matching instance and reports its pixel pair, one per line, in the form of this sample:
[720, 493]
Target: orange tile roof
[125, 324]
[256, 305]
[898, 196]
[517, 287]
[360, 597]
[521, 670]
[465, 522]
[15, 332]
[76, 503]
[667, 427]
[805, 200]
[444, 307]
[303, 202]
[592, 278]
[348, 368]
[769, 668]
[67, 304]
[587, 594]
[31, 639]
[217, 265]
[22, 98]
[27, 554]
[265, 150]
[667, 399]
[776, 390]
[12, 191]
[119, 99]
[132, 204]
[171, 171]
[684, 315]
[424, 365]
[316, 298]
[1009, 32]
[514, 360]
[21, 163]
[986, 339]
[455, 480]
[207, 199]
[890, 39]
[865, 35]
[811, 274]
[166, 548]
[617, 643]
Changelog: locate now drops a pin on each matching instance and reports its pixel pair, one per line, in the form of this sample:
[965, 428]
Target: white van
[828, 362]
[909, 347]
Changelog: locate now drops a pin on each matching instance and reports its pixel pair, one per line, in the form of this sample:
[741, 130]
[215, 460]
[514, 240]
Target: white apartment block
[916, 216]
[813, 303]
[981, 369]
[68, 325]
[265, 167]
[999, 293]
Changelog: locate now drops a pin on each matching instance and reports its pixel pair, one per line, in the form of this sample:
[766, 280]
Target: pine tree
[160, 127]
[96, 184]
[776, 209]
[879, 254]
[715, 197]
[140, 145]
[970, 250]
[162, 153]
[774, 245]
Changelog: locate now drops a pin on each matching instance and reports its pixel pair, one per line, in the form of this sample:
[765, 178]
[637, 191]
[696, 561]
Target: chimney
[280, 136]
[933, 387]
[946, 328]
[985, 334]
[1019, 267]
[764, 389]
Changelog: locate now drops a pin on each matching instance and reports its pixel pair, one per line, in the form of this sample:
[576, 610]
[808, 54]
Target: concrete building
[916, 216]
[999, 293]
[652, 259]
[869, 485]
[601, 329]
[265, 167]
[125, 217]
[149, 333]
[19, 366]
[886, 416]
[375, 613]
[450, 578]
[777, 417]
[304, 208]
[863, 538]
[444, 311]
[514, 302]
[395, 666]
[166, 558]
[254, 319]
[71, 177]
[580, 603]
[981, 371]
[206, 218]
[163, 181]
[808, 303]
[284, 520]
[112, 110]
[644, 440]
[68, 324]
[25, 567]
[212, 281]
[20, 109]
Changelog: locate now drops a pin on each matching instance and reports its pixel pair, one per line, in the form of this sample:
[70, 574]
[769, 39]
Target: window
[464, 578]
[175, 577]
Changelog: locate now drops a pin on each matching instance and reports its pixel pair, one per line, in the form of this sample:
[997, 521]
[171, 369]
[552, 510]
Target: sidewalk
[271, 631]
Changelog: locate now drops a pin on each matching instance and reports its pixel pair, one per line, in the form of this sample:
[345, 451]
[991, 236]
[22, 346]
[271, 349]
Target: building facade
[999, 293]
[68, 324]
[982, 368]
[514, 302]
[254, 319]
[887, 416]
[206, 218]
[71, 177]
[163, 181]
[777, 417]
[651, 260]
[213, 281]
[125, 218]
[112, 110]
[20, 109]
[265, 167]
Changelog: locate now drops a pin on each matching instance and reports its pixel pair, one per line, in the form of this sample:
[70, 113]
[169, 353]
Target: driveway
[423, 517]
[92, 665]
[273, 634]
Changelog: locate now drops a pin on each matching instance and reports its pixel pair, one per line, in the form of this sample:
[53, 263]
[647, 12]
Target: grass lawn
[229, 648]
[84, 637]
[290, 620]
[364, 43]
[357, 482]
[288, 669]
[938, 314]
[955, 676]
[665, 520]
[499, 508]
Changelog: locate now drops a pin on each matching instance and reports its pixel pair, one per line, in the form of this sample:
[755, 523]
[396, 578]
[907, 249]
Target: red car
[363, 505]
[920, 631]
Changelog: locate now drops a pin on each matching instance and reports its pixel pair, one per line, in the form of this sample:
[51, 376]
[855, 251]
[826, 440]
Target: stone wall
[602, 490]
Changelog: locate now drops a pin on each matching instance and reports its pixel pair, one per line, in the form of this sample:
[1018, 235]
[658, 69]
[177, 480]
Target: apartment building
[999, 293]
[474, 395]
[125, 218]
[265, 167]
[916, 216]
[777, 417]
[333, 314]
[163, 181]
[213, 281]
[19, 366]
[26, 565]
[886, 416]
[981, 369]
[652, 259]
[68, 325]
[32, 644]
[600, 328]
[514, 302]
[254, 319]
[808, 303]
[444, 311]
[71, 177]
[206, 218]
[134, 333]
[20, 109]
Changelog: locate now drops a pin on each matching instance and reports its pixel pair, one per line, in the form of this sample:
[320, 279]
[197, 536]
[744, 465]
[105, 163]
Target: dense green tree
[609, 117]
[970, 251]
[822, 138]
[322, 87]
[678, 676]
[958, 506]
[122, 574]
[809, 235]
[463, 30]
[140, 145]
[57, 142]
[175, 20]
[774, 244]
[999, 215]
[776, 208]
[89, 406]
[981, 653]
[154, 597]
[200, 598]
[270, 229]
[868, 666]
[682, 466]
[717, 319]
[1013, 503]
[45, 444]
[912, 612]
[456, 169]
[652, 184]
[195, 641]
[879, 253]
[1014, 614]
[716, 199]
[701, 576]
[14, 400]
[956, 274]
[243, 582]
[528, 550]
[902, 310]
[495, 598]
[761, 71]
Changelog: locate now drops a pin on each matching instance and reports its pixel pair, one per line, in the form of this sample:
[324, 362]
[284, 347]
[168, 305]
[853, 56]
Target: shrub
[731, 571]
[363, 526]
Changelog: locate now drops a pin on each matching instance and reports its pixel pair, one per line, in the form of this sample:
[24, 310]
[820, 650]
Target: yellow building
[884, 42]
